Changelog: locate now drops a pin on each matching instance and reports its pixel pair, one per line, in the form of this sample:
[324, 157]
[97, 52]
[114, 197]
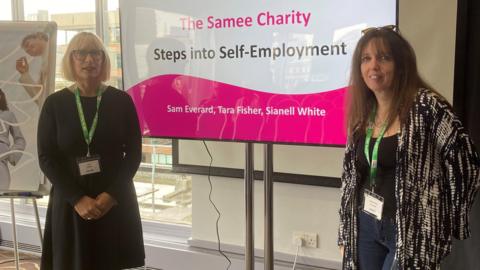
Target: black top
[385, 181]
[115, 241]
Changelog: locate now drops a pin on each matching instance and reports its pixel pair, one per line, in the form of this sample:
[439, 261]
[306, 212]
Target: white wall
[430, 26]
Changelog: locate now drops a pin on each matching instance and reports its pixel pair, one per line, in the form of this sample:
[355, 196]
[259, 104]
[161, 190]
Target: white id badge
[89, 165]
[373, 204]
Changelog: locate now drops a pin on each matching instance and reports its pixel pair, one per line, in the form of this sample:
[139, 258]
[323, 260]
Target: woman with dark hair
[410, 171]
[89, 147]
[9, 152]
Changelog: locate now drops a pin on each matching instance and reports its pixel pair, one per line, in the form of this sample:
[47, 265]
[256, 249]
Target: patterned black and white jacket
[436, 179]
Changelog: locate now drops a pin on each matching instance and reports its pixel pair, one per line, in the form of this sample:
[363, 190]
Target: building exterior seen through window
[162, 195]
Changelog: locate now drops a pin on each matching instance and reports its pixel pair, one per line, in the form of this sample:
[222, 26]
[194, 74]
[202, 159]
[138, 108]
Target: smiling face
[377, 66]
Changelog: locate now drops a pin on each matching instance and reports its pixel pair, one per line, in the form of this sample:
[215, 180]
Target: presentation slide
[272, 71]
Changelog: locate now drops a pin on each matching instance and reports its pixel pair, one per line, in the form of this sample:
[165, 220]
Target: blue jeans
[376, 243]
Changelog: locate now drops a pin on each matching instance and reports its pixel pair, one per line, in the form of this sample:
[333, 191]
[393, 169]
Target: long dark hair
[406, 80]
[3, 101]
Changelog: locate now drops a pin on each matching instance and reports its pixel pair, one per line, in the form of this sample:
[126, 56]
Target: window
[161, 193]
[115, 34]
[6, 10]
[162, 196]
[112, 21]
[118, 61]
[71, 17]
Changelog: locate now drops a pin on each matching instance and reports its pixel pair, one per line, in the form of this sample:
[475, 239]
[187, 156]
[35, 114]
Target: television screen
[273, 71]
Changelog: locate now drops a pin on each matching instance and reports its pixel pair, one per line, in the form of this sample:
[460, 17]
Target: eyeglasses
[81, 55]
[386, 27]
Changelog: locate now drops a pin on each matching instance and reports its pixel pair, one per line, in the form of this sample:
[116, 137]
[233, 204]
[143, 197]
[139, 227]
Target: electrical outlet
[308, 239]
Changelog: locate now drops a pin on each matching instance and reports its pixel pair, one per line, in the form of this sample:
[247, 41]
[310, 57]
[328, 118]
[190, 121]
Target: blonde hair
[80, 41]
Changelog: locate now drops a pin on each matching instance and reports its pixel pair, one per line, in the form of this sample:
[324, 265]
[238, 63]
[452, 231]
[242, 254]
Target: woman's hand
[342, 249]
[105, 202]
[87, 208]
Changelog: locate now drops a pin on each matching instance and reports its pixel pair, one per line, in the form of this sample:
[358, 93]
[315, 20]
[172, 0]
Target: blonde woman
[89, 147]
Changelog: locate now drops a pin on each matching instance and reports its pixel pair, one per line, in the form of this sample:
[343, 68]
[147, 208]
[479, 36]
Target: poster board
[27, 77]
[244, 71]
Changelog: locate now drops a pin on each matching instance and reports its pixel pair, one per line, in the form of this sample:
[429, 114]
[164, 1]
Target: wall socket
[309, 239]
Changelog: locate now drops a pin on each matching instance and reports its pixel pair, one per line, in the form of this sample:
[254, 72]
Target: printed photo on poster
[27, 77]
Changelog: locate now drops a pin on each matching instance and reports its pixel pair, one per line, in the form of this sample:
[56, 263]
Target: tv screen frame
[179, 96]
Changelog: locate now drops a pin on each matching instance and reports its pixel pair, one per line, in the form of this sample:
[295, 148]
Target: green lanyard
[373, 164]
[87, 134]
